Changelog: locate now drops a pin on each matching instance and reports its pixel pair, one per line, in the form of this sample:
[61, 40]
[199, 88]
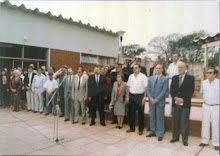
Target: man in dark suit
[143, 69]
[182, 88]
[28, 79]
[96, 93]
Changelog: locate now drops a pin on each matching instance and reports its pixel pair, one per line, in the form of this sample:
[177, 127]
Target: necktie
[79, 83]
[97, 80]
[180, 81]
[155, 82]
[70, 80]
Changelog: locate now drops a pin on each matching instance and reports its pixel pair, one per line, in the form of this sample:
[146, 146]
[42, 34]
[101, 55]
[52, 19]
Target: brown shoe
[128, 131]
[140, 132]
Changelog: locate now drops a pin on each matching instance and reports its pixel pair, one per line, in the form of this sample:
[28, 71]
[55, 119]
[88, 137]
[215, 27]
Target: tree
[166, 46]
[132, 50]
[214, 61]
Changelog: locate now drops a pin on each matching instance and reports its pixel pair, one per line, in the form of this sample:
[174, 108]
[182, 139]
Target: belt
[136, 94]
[211, 105]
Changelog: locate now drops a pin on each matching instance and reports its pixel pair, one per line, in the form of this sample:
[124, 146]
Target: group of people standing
[126, 89]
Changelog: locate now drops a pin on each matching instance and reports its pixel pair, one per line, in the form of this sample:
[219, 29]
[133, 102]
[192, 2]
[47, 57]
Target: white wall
[50, 33]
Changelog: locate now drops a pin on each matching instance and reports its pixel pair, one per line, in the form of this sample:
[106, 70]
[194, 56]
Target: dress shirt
[210, 91]
[51, 84]
[39, 81]
[137, 84]
[79, 79]
[173, 69]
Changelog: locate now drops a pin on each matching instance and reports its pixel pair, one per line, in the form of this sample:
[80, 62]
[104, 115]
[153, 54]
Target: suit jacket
[26, 79]
[81, 92]
[67, 87]
[185, 91]
[159, 90]
[94, 89]
[122, 95]
[143, 70]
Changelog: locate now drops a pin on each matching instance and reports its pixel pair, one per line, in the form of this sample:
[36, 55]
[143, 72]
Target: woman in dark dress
[15, 87]
[4, 88]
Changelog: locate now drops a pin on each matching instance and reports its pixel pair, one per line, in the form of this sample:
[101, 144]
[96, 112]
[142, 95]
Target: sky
[142, 20]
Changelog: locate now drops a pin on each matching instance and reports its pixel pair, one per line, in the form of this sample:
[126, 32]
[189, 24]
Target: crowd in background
[122, 90]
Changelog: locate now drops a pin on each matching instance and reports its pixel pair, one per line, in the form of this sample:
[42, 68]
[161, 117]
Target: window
[35, 52]
[6, 63]
[106, 60]
[85, 58]
[10, 50]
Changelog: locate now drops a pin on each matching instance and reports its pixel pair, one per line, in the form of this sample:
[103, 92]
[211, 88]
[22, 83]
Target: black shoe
[117, 126]
[203, 145]
[103, 124]
[120, 127]
[41, 112]
[174, 140]
[216, 148]
[151, 135]
[185, 143]
[148, 129]
[66, 120]
[46, 114]
[83, 123]
[75, 122]
[92, 123]
[61, 116]
[160, 138]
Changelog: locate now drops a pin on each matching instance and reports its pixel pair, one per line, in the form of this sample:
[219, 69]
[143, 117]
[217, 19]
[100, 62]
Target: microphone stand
[55, 128]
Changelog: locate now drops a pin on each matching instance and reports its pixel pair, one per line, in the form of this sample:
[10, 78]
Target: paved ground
[31, 134]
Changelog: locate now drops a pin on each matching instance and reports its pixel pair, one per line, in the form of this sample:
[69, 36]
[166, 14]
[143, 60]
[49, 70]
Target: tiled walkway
[31, 134]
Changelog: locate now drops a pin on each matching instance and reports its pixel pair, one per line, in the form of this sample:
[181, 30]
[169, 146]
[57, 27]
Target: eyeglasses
[209, 72]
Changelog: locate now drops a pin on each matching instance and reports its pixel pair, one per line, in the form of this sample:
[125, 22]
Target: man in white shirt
[210, 109]
[136, 94]
[172, 71]
[50, 86]
[38, 90]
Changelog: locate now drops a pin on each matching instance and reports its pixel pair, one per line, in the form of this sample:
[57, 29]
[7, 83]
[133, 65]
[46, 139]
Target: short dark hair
[215, 71]
[81, 68]
[178, 54]
[139, 66]
[50, 74]
[121, 74]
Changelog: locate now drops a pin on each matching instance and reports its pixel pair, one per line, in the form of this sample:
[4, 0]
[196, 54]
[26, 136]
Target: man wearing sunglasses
[210, 108]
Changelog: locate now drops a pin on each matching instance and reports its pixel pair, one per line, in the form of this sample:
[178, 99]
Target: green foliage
[132, 50]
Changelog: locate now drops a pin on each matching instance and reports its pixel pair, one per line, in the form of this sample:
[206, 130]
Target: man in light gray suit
[69, 103]
[79, 95]
[156, 91]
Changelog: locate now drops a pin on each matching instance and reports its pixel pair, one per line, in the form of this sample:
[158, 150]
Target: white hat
[17, 72]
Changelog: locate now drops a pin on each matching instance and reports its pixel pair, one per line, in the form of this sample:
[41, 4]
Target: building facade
[30, 36]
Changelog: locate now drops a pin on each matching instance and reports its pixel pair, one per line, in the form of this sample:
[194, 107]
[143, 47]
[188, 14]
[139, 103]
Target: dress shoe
[216, 148]
[61, 116]
[151, 135]
[148, 129]
[28, 110]
[83, 123]
[75, 122]
[203, 145]
[120, 127]
[35, 111]
[46, 114]
[185, 143]
[117, 126]
[129, 131]
[103, 124]
[140, 132]
[174, 140]
[66, 120]
[41, 112]
[160, 138]
[92, 123]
